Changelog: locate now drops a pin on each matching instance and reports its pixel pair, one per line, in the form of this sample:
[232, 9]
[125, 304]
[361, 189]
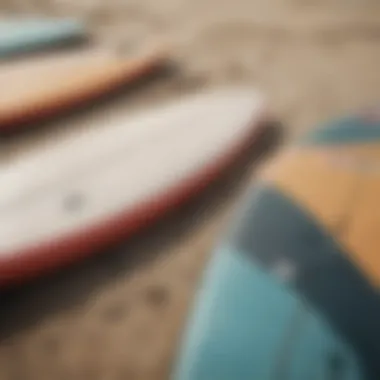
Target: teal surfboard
[26, 35]
[285, 296]
[247, 326]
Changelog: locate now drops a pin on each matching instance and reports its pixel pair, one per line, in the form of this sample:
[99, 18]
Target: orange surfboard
[39, 88]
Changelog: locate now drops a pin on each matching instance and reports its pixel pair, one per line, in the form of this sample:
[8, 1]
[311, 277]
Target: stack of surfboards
[87, 191]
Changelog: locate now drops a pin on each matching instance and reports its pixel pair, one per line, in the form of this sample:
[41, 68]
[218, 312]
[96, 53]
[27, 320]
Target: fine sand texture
[119, 316]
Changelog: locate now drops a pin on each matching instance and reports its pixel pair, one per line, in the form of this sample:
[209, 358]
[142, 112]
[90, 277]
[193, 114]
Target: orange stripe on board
[341, 188]
[362, 236]
[308, 177]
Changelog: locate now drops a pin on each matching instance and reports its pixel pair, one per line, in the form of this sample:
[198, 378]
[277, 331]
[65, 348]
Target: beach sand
[120, 315]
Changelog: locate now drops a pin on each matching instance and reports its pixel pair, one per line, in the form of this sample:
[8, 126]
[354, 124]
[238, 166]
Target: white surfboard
[84, 192]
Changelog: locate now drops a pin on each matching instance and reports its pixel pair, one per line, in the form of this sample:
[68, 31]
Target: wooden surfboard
[39, 88]
[24, 35]
[87, 191]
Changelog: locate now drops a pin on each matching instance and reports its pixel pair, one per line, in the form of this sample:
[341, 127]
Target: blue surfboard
[281, 297]
[26, 35]
[246, 325]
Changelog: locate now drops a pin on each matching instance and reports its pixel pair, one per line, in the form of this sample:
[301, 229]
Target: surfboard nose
[248, 326]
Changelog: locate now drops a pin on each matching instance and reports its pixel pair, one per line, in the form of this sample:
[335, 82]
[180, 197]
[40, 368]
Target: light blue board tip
[24, 35]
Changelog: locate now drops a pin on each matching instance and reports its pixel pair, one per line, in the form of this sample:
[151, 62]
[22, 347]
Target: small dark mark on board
[335, 366]
[73, 202]
[157, 295]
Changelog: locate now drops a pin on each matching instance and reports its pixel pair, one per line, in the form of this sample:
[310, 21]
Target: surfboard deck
[293, 289]
[40, 88]
[91, 190]
[25, 35]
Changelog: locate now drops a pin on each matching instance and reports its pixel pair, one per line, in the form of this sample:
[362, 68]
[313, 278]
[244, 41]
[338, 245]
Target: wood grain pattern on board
[39, 88]
[92, 189]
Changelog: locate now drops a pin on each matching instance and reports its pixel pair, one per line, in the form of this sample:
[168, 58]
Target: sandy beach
[120, 315]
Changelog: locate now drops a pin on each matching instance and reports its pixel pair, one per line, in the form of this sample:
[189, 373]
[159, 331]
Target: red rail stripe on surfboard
[21, 265]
